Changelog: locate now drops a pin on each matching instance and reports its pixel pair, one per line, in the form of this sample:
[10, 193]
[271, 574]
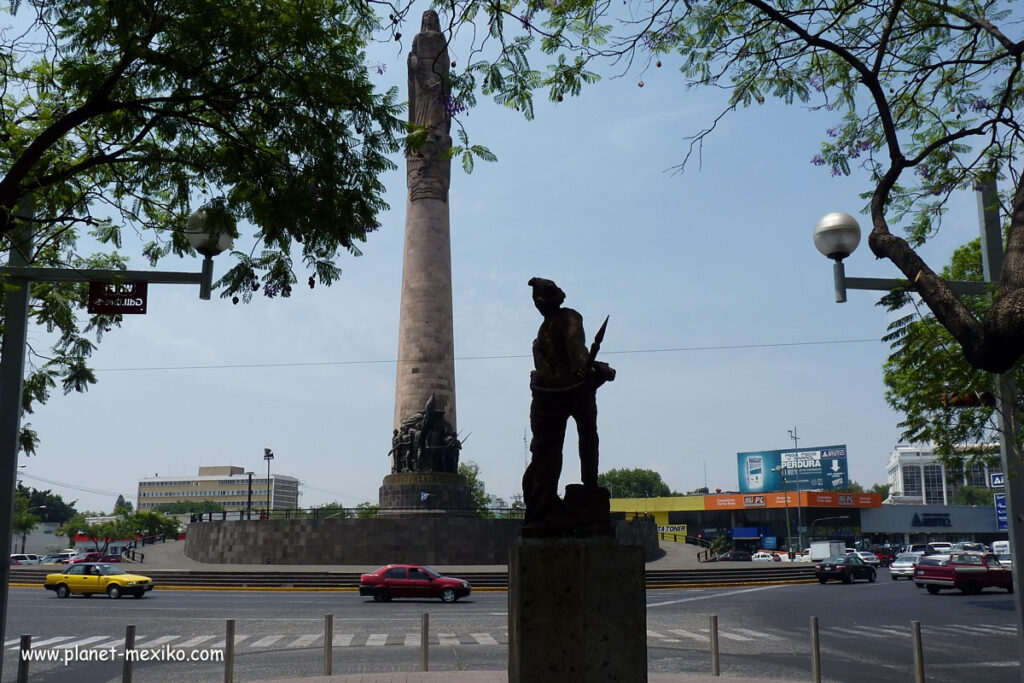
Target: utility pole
[799, 508]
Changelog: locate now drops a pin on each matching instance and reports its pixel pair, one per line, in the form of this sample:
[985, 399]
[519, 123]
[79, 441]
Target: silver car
[903, 565]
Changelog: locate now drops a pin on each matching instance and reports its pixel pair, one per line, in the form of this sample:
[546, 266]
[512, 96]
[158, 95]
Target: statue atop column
[428, 165]
[564, 384]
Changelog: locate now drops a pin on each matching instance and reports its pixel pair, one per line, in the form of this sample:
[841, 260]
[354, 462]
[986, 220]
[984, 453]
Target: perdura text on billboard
[817, 468]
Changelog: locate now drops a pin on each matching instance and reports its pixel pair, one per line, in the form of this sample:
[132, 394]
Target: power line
[69, 486]
[678, 349]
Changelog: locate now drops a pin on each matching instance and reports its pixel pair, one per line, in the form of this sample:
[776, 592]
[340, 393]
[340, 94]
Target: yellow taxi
[90, 578]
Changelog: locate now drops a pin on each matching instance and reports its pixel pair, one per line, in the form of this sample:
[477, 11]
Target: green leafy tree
[53, 507]
[122, 506]
[119, 119]
[151, 524]
[181, 507]
[366, 510]
[920, 99]
[481, 501]
[25, 519]
[633, 483]
[333, 510]
[972, 495]
[881, 489]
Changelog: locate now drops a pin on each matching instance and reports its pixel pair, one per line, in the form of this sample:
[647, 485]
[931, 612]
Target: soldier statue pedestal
[425, 493]
[577, 611]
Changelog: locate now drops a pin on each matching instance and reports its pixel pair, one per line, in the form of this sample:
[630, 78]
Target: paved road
[764, 632]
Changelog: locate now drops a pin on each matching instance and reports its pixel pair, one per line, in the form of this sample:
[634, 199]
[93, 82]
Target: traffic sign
[117, 297]
[996, 480]
[1000, 502]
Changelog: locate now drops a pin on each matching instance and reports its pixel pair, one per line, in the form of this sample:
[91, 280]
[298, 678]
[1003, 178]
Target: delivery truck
[821, 549]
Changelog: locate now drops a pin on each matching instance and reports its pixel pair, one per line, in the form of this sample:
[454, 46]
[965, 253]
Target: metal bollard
[129, 645]
[23, 649]
[424, 642]
[713, 629]
[328, 643]
[915, 632]
[229, 652]
[815, 652]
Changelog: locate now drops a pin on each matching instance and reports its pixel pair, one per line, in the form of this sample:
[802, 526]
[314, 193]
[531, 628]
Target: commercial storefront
[758, 520]
[902, 524]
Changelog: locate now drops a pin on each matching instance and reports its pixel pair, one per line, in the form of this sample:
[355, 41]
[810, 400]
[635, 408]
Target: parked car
[50, 559]
[938, 548]
[110, 558]
[765, 557]
[970, 573]
[735, 556]
[24, 558]
[845, 568]
[91, 578]
[86, 557]
[869, 558]
[411, 581]
[968, 546]
[903, 566]
[885, 554]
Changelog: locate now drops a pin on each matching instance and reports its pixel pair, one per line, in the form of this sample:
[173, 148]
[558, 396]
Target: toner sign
[816, 468]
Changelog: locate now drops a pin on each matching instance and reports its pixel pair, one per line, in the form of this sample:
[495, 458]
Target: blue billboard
[807, 469]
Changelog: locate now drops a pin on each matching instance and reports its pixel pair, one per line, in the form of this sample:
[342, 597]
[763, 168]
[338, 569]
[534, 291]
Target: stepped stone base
[407, 494]
[577, 611]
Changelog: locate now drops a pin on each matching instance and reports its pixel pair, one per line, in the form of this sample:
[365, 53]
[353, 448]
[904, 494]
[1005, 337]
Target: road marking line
[756, 634]
[447, 639]
[343, 639]
[222, 644]
[83, 641]
[195, 641]
[265, 641]
[159, 641]
[306, 640]
[726, 634]
[714, 595]
[376, 639]
[484, 638]
[48, 641]
[412, 639]
[688, 634]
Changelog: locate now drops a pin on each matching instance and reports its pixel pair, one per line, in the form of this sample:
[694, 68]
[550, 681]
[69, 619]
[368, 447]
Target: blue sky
[718, 301]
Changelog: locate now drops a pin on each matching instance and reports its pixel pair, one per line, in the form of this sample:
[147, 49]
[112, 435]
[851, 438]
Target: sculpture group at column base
[577, 611]
[425, 493]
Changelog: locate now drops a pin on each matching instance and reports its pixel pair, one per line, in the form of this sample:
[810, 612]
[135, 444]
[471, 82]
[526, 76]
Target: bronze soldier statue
[564, 384]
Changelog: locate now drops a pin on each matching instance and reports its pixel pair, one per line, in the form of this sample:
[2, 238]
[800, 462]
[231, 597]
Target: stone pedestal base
[577, 611]
[425, 493]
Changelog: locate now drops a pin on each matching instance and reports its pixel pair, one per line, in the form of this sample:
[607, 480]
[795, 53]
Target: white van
[1001, 547]
[24, 558]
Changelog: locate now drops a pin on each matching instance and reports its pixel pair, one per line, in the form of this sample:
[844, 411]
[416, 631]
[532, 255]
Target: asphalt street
[764, 632]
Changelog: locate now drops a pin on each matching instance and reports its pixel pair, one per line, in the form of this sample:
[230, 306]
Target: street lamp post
[837, 234]
[248, 502]
[789, 533]
[799, 508]
[19, 274]
[268, 455]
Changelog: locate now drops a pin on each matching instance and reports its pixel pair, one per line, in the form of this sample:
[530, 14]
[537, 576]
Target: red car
[86, 557]
[411, 581]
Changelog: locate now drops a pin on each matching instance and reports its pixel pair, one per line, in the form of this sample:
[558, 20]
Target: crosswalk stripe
[265, 641]
[157, 642]
[412, 639]
[893, 631]
[846, 632]
[83, 641]
[688, 634]
[192, 642]
[222, 644]
[484, 638]
[447, 639]
[376, 639]
[756, 634]
[727, 635]
[655, 634]
[343, 639]
[12, 641]
[49, 641]
[976, 629]
[306, 640]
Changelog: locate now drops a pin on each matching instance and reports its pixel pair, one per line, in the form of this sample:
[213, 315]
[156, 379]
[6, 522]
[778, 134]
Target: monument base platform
[405, 494]
[577, 611]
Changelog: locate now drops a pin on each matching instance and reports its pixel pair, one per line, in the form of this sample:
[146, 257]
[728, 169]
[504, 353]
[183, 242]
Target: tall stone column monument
[425, 444]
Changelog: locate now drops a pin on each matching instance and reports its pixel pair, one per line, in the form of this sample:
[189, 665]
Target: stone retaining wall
[377, 541]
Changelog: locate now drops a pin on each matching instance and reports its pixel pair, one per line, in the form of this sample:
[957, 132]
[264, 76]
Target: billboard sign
[815, 468]
[1000, 502]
